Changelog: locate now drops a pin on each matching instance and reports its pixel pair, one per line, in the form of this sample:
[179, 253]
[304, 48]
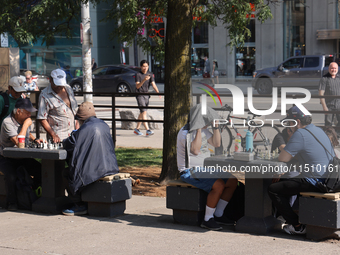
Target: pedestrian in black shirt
[143, 81]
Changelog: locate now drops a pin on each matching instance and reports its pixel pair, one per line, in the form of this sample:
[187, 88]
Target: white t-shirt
[194, 160]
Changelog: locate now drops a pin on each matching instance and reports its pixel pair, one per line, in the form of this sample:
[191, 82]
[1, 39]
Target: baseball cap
[85, 111]
[17, 84]
[59, 77]
[25, 103]
[294, 113]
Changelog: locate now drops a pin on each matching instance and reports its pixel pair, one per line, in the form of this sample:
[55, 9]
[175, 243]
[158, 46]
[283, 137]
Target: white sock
[209, 213]
[221, 205]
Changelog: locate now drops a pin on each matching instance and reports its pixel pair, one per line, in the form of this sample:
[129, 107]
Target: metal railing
[113, 107]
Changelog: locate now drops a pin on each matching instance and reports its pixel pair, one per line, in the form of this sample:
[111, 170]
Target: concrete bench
[106, 197]
[2, 190]
[186, 201]
[321, 213]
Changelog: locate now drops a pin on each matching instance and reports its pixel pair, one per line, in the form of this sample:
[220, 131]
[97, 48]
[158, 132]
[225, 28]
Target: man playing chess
[91, 155]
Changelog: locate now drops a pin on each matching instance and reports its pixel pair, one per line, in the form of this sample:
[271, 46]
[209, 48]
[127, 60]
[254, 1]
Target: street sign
[4, 40]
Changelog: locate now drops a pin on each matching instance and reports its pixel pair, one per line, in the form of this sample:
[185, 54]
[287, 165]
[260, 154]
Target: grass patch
[139, 157]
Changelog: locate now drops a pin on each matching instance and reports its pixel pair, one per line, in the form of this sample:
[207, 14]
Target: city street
[259, 102]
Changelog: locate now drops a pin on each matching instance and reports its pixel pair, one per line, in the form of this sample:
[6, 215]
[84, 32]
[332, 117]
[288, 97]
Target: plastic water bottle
[249, 141]
[238, 143]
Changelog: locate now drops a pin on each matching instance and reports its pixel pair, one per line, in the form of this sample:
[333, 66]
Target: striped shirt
[331, 86]
[58, 115]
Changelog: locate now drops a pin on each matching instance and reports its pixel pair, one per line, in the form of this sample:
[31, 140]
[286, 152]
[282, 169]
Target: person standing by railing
[330, 85]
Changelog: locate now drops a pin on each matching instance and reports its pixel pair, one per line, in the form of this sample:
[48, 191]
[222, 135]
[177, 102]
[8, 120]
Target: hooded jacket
[91, 154]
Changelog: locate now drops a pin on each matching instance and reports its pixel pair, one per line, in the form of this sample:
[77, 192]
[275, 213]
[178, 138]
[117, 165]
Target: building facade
[295, 29]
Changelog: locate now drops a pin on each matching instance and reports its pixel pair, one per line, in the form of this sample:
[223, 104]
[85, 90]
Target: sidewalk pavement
[146, 227]
[126, 138]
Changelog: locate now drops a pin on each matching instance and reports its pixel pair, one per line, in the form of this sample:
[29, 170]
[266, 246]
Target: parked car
[110, 78]
[41, 80]
[299, 71]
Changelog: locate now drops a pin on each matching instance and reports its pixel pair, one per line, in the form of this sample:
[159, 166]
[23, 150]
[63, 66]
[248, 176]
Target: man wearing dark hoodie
[91, 155]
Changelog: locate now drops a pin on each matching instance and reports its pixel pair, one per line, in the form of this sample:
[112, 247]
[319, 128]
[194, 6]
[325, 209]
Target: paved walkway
[146, 228]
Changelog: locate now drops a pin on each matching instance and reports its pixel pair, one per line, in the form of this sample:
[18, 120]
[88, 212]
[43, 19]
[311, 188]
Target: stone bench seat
[321, 213]
[107, 196]
[186, 201]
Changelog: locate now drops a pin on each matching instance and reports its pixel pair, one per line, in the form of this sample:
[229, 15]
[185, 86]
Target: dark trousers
[280, 193]
[330, 118]
[9, 166]
[75, 198]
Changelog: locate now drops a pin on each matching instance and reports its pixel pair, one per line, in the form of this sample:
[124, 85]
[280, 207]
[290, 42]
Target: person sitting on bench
[91, 155]
[18, 123]
[313, 161]
[192, 149]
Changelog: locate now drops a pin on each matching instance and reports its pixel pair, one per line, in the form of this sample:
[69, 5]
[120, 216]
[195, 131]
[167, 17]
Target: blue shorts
[192, 177]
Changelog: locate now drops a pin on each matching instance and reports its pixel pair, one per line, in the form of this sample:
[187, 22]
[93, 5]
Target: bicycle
[262, 135]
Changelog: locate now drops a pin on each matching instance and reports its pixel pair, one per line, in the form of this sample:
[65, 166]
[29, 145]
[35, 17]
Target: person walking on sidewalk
[143, 81]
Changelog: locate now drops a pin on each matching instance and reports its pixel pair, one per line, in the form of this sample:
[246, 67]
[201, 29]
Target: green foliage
[138, 157]
[133, 15]
[29, 20]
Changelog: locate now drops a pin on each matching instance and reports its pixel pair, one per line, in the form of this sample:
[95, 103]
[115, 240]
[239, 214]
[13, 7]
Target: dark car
[110, 78]
[40, 79]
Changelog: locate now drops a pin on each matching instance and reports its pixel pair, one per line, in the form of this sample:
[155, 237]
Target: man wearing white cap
[10, 97]
[57, 108]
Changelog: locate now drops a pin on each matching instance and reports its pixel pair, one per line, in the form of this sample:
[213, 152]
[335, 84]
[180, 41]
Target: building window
[197, 61]
[294, 18]
[245, 56]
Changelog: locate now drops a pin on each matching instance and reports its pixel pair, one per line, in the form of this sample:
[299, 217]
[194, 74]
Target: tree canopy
[29, 20]
[136, 16]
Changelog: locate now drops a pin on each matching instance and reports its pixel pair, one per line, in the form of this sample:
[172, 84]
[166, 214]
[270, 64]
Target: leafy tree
[29, 20]
[134, 15]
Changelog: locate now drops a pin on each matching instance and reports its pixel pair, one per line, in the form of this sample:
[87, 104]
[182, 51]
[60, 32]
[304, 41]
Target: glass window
[294, 18]
[200, 32]
[100, 71]
[293, 63]
[245, 61]
[312, 62]
[113, 70]
[197, 61]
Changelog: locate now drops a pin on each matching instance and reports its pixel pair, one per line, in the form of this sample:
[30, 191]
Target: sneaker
[290, 229]
[224, 221]
[149, 132]
[210, 224]
[137, 132]
[75, 210]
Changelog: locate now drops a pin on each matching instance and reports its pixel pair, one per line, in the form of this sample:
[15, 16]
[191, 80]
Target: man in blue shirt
[313, 161]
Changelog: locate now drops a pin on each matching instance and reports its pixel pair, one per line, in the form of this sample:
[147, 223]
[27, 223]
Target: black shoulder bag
[332, 182]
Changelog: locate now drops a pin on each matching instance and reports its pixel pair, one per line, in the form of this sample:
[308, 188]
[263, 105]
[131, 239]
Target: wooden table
[53, 198]
[258, 217]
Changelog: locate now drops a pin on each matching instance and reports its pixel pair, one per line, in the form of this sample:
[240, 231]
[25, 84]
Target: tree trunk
[177, 80]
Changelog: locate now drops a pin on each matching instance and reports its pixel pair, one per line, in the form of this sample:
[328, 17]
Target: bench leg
[318, 233]
[106, 209]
